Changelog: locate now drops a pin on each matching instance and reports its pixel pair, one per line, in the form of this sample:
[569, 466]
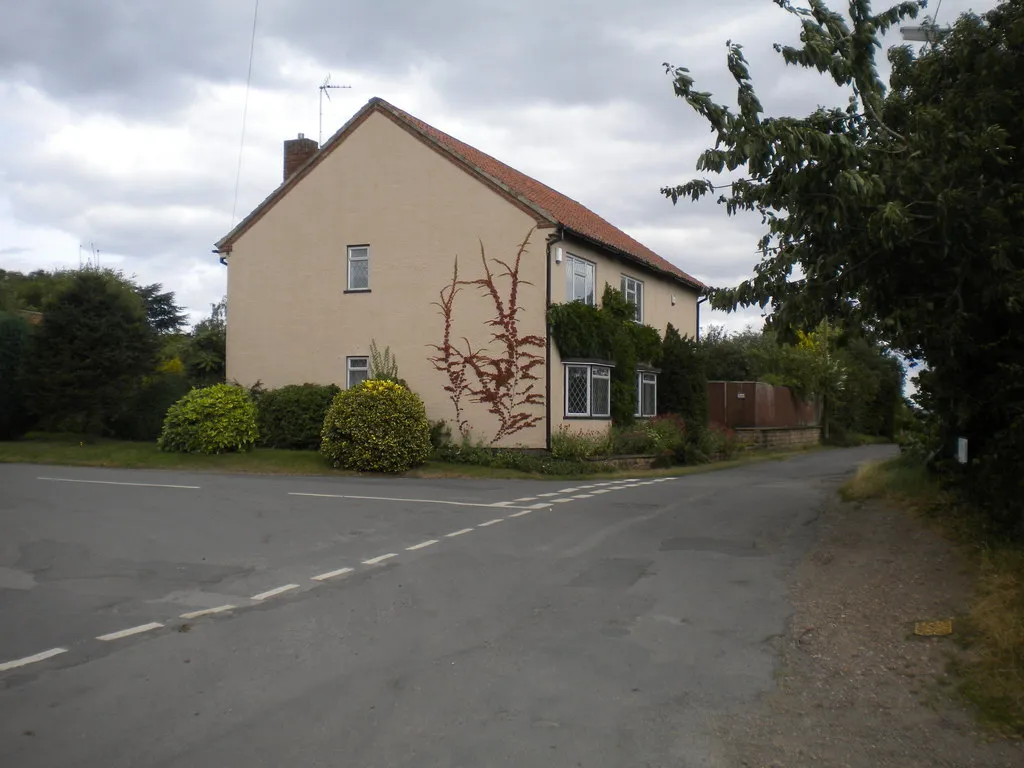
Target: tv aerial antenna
[325, 90]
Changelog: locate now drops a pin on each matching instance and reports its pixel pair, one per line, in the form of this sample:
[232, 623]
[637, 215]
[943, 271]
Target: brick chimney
[296, 153]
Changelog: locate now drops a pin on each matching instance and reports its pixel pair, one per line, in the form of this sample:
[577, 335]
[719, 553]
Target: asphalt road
[482, 623]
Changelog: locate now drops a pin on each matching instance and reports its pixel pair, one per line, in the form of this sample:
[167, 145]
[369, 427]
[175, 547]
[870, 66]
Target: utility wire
[245, 109]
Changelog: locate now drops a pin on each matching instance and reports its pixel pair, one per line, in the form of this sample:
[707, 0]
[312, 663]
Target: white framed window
[633, 290]
[358, 371]
[359, 268]
[579, 280]
[646, 394]
[588, 390]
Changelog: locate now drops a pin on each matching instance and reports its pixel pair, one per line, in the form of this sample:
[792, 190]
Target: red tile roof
[564, 210]
[545, 202]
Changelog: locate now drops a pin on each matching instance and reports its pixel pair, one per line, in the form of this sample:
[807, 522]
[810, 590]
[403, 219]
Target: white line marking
[561, 501]
[543, 505]
[501, 504]
[600, 490]
[275, 592]
[130, 631]
[584, 496]
[207, 612]
[586, 487]
[520, 514]
[32, 659]
[379, 558]
[546, 495]
[411, 501]
[421, 545]
[331, 574]
[111, 482]
[491, 522]
[569, 490]
[458, 533]
[527, 498]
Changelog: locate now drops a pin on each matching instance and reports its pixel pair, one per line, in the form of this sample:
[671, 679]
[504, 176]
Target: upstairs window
[633, 290]
[579, 280]
[359, 268]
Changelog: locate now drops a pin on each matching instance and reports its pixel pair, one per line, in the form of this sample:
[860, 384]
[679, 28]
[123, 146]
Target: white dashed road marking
[275, 592]
[491, 522]
[561, 501]
[411, 501]
[569, 490]
[527, 498]
[600, 490]
[331, 574]
[32, 659]
[421, 545]
[458, 533]
[546, 495]
[111, 482]
[542, 505]
[130, 631]
[520, 514]
[379, 558]
[584, 496]
[207, 612]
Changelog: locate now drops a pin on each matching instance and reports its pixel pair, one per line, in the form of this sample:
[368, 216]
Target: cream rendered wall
[658, 312]
[290, 320]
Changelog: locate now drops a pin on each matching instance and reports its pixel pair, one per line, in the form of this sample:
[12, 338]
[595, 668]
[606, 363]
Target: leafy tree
[90, 352]
[205, 353]
[165, 316]
[683, 385]
[902, 213]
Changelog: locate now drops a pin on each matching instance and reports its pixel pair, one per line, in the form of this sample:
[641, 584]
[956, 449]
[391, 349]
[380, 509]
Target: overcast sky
[120, 122]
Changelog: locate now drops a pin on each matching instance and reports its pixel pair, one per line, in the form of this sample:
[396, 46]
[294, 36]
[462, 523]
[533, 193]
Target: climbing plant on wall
[608, 333]
[502, 372]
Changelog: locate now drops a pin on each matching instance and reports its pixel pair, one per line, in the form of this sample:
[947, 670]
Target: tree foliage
[90, 352]
[163, 312]
[683, 384]
[902, 213]
[204, 353]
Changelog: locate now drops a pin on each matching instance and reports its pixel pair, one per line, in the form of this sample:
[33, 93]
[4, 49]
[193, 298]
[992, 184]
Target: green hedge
[292, 417]
[217, 419]
[15, 335]
[379, 426]
[145, 412]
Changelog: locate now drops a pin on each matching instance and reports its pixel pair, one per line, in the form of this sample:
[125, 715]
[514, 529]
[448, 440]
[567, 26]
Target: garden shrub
[379, 426]
[567, 444]
[292, 417]
[15, 335]
[718, 442]
[216, 419]
[440, 434]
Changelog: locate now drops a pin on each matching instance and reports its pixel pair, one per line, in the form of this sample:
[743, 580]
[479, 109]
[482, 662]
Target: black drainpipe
[553, 238]
[700, 301]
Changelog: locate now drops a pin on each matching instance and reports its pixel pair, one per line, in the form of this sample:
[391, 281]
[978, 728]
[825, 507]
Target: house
[398, 233]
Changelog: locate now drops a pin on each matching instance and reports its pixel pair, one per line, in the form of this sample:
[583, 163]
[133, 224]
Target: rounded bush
[216, 419]
[293, 416]
[379, 426]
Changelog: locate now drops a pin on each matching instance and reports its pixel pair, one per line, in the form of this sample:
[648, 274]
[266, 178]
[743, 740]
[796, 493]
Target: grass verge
[990, 669]
[71, 450]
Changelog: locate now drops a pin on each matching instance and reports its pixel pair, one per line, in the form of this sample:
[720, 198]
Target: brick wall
[778, 438]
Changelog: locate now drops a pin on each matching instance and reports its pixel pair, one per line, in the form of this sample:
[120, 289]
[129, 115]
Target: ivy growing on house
[608, 333]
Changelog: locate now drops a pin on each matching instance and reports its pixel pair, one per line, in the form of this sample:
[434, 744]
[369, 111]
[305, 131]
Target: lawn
[70, 450]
